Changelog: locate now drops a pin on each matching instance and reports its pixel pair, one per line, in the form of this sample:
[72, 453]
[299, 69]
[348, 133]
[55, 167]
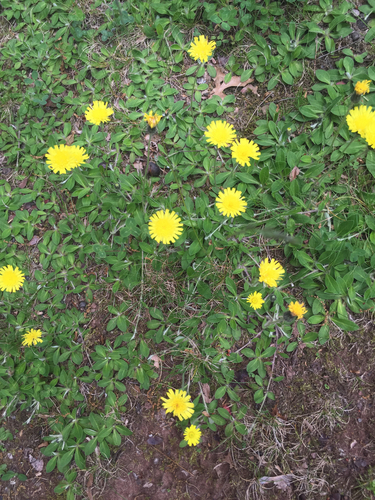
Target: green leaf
[220, 392]
[231, 285]
[90, 447]
[316, 319]
[345, 324]
[370, 162]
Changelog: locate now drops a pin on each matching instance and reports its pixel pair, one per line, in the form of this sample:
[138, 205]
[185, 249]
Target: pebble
[153, 169]
[355, 35]
[82, 304]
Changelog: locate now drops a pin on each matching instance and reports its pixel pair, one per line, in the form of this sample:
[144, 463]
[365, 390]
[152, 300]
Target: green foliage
[83, 237]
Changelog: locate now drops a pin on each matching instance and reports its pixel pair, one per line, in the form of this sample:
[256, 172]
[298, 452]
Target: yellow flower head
[201, 49]
[370, 134]
[270, 272]
[11, 279]
[165, 226]
[151, 119]
[230, 202]
[61, 159]
[220, 133]
[32, 337]
[98, 113]
[297, 309]
[255, 300]
[363, 87]
[178, 403]
[192, 435]
[243, 150]
[359, 119]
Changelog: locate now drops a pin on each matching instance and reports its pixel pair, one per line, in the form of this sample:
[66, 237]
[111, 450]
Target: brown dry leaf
[229, 460]
[205, 413]
[23, 183]
[156, 360]
[294, 173]
[220, 86]
[253, 89]
[37, 157]
[70, 139]
[138, 166]
[90, 481]
[34, 240]
[206, 393]
[42, 445]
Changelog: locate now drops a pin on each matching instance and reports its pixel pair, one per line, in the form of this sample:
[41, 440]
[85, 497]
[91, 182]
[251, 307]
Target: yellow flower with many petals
[362, 87]
[192, 435]
[98, 113]
[32, 337]
[370, 134]
[255, 300]
[11, 279]
[178, 402]
[230, 202]
[297, 309]
[201, 49]
[61, 159]
[270, 272]
[220, 133]
[151, 119]
[243, 150]
[165, 226]
[359, 119]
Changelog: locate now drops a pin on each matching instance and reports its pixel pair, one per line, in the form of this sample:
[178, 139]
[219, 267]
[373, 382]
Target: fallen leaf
[70, 139]
[34, 240]
[253, 89]
[220, 86]
[23, 183]
[205, 413]
[36, 464]
[229, 460]
[206, 393]
[281, 482]
[156, 360]
[294, 173]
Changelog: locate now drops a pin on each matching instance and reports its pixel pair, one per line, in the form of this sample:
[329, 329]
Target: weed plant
[84, 237]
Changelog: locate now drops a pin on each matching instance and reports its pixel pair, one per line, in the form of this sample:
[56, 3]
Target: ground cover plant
[186, 206]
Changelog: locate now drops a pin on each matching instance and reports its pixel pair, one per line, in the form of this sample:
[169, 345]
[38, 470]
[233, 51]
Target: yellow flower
[32, 337]
[220, 133]
[192, 435]
[243, 150]
[98, 113]
[297, 309]
[165, 226]
[11, 279]
[201, 49]
[178, 403]
[359, 119]
[370, 134]
[270, 272]
[61, 159]
[362, 87]
[152, 120]
[230, 202]
[255, 300]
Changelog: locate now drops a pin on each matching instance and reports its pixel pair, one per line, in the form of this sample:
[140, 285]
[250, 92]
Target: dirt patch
[22, 456]
[154, 467]
[319, 433]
